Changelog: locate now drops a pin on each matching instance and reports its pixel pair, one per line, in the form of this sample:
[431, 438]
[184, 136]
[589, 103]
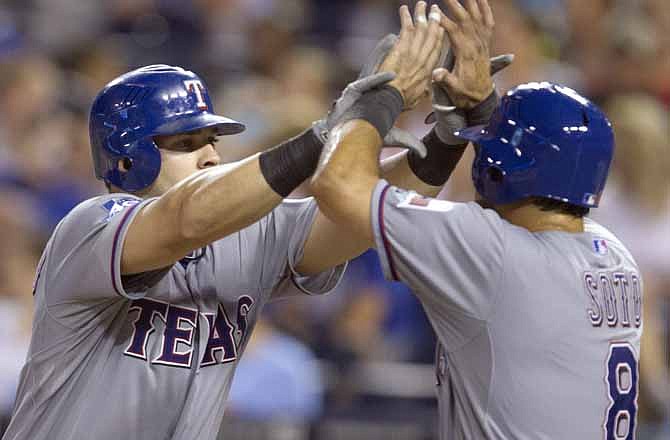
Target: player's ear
[125, 164]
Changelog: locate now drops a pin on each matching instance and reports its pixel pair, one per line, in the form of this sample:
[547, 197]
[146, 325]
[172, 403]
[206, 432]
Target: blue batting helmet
[135, 107]
[544, 140]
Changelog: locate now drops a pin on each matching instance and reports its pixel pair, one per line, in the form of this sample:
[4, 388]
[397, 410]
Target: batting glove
[368, 80]
[449, 118]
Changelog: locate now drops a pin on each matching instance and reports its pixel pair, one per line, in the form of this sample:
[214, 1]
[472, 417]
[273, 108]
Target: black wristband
[481, 113]
[288, 164]
[440, 162]
[380, 107]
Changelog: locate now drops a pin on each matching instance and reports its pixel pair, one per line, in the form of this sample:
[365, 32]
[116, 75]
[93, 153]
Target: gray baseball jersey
[539, 333]
[149, 356]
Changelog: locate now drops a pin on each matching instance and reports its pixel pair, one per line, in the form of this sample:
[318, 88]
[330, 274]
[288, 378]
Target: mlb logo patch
[113, 207]
[591, 199]
[600, 246]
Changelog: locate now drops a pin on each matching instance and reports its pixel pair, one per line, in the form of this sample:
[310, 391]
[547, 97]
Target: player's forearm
[197, 211]
[397, 171]
[217, 202]
[347, 174]
[222, 201]
[427, 175]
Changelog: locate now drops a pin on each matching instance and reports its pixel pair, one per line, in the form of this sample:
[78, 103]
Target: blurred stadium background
[358, 363]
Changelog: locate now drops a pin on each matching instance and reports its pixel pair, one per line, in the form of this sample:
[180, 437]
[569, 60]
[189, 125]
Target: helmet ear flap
[495, 175]
[489, 178]
[492, 182]
[142, 163]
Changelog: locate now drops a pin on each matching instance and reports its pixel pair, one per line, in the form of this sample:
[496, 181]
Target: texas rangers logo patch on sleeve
[115, 206]
[416, 201]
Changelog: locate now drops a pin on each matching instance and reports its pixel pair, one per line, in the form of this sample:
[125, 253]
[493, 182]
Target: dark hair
[546, 204]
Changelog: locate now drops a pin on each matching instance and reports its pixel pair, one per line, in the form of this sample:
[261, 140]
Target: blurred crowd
[277, 65]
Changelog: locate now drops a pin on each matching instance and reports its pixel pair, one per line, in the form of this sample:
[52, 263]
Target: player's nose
[209, 157]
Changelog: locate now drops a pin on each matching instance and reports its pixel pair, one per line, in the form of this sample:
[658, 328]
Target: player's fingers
[436, 42]
[435, 55]
[420, 25]
[457, 10]
[434, 37]
[444, 77]
[406, 33]
[406, 24]
[487, 13]
[449, 26]
[420, 14]
[473, 9]
[435, 16]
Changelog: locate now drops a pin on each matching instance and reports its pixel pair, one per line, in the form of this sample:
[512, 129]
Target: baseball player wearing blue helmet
[145, 297]
[132, 110]
[537, 308]
[544, 140]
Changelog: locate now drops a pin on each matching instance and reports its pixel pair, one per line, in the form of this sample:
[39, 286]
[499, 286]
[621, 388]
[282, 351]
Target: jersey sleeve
[450, 254]
[84, 255]
[297, 216]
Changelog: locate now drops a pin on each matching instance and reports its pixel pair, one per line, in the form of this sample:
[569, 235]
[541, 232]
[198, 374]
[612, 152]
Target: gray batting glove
[349, 96]
[367, 80]
[449, 118]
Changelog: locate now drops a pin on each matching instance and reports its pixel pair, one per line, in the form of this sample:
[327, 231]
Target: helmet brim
[473, 134]
[226, 126]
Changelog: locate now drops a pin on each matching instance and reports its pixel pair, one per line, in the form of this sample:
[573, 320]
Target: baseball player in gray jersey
[537, 308]
[145, 297]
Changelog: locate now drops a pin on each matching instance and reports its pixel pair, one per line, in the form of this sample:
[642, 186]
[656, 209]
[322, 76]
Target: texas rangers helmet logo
[195, 86]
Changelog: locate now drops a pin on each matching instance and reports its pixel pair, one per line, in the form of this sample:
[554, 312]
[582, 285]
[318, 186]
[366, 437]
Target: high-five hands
[471, 80]
[409, 62]
[416, 53]
[470, 34]
[368, 79]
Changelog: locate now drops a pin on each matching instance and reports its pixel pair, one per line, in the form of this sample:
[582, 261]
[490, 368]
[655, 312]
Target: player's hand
[368, 79]
[470, 33]
[417, 52]
[450, 118]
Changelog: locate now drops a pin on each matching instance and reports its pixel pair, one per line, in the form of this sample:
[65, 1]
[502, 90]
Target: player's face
[184, 154]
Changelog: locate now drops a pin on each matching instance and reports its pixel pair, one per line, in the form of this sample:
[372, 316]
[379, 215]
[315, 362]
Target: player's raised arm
[348, 174]
[349, 167]
[215, 202]
[197, 211]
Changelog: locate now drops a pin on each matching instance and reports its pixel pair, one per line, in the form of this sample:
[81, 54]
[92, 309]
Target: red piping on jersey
[114, 243]
[387, 245]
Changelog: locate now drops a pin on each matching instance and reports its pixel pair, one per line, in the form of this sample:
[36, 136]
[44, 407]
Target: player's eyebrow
[188, 142]
[184, 143]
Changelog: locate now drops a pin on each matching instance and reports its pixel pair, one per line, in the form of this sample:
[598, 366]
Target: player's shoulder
[106, 205]
[465, 212]
[98, 210]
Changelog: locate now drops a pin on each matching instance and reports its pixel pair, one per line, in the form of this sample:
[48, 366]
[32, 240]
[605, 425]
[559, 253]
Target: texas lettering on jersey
[223, 343]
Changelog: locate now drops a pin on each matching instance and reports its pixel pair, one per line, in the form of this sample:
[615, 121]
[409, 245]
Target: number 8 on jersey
[622, 389]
